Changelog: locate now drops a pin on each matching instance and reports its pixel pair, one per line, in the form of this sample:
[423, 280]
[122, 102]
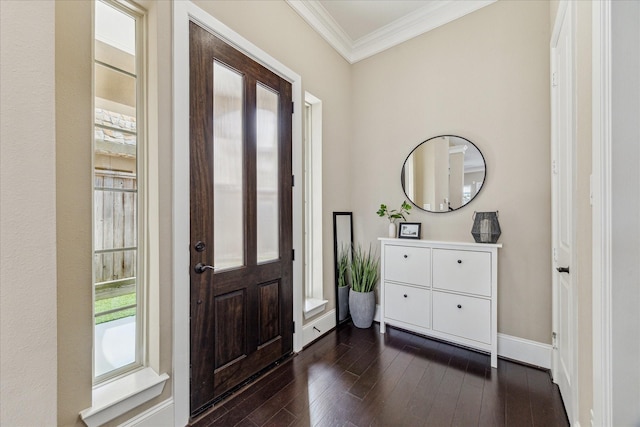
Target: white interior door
[563, 181]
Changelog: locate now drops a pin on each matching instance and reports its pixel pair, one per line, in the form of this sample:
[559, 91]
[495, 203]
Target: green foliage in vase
[343, 266]
[395, 214]
[364, 270]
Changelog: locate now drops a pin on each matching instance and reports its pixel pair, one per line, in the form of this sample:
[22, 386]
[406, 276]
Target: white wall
[484, 77]
[625, 17]
[28, 355]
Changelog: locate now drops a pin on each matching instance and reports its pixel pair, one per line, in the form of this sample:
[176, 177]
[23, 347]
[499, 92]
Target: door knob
[563, 269]
[201, 268]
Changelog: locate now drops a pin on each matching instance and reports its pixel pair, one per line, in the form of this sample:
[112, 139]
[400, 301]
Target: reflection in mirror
[443, 173]
[342, 242]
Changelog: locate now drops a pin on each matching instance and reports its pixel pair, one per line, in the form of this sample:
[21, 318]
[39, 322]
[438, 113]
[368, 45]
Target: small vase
[362, 306]
[392, 229]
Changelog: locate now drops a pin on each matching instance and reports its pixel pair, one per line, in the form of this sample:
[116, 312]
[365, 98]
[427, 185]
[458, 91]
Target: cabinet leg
[494, 360]
[382, 327]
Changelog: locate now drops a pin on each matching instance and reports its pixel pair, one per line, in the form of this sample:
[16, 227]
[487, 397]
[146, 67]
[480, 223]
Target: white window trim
[183, 12]
[113, 398]
[314, 298]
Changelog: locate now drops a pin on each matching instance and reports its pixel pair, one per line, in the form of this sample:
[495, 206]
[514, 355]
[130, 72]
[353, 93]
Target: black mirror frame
[335, 258]
[429, 139]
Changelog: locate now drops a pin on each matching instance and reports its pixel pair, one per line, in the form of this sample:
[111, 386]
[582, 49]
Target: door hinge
[293, 180]
[554, 340]
[554, 79]
[293, 104]
[294, 327]
[293, 254]
[554, 167]
[555, 255]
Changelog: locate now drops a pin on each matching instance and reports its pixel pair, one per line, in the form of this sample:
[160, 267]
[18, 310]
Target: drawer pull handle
[405, 295]
[406, 256]
[459, 305]
[459, 261]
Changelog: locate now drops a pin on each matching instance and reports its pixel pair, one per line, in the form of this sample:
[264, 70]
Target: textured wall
[27, 215]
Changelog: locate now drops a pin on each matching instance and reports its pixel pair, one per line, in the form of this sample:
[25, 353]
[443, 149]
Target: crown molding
[403, 29]
[321, 21]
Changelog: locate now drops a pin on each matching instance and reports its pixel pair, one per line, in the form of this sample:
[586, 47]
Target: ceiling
[358, 29]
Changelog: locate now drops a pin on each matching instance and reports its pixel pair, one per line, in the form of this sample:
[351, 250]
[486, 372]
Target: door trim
[565, 8]
[601, 225]
[183, 12]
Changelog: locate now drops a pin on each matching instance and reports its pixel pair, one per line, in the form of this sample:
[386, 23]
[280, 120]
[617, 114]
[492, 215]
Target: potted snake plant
[364, 277]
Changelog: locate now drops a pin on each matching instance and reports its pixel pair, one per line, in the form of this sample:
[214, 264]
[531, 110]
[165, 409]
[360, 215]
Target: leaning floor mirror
[342, 245]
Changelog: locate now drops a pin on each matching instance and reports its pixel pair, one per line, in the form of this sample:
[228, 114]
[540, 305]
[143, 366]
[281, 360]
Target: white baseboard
[160, 415]
[526, 351]
[318, 327]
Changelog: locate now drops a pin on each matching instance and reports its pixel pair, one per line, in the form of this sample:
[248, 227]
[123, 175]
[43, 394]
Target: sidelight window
[118, 214]
[314, 301]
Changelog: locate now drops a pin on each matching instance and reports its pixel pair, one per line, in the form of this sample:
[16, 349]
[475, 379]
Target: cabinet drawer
[463, 316]
[462, 271]
[407, 304]
[407, 264]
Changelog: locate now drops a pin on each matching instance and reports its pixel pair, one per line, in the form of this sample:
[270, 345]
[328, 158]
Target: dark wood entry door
[241, 232]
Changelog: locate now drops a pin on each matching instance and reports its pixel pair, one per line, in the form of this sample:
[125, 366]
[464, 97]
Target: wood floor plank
[359, 378]
[444, 405]
[493, 407]
[544, 396]
[282, 418]
[393, 411]
[518, 404]
[426, 392]
[379, 394]
[328, 409]
[374, 371]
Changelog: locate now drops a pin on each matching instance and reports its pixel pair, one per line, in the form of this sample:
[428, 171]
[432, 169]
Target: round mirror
[443, 173]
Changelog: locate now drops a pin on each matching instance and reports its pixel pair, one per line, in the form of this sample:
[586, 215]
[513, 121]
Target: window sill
[313, 306]
[117, 397]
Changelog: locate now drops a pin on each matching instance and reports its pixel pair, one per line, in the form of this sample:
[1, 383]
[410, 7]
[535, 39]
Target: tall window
[315, 301]
[118, 152]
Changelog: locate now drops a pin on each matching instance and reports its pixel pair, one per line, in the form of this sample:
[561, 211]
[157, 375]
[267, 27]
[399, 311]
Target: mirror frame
[335, 258]
[418, 146]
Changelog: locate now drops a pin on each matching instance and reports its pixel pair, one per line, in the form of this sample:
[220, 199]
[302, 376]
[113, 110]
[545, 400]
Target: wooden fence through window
[115, 234]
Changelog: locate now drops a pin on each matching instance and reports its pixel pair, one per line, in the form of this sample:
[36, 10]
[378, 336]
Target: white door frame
[566, 10]
[601, 226]
[183, 12]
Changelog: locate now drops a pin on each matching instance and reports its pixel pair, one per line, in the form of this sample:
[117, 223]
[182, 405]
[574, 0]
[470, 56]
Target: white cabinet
[442, 289]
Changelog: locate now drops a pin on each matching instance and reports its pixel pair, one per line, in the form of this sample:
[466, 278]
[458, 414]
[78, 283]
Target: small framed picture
[409, 230]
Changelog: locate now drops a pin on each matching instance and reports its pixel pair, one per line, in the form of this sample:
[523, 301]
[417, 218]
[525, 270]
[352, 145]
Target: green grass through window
[112, 303]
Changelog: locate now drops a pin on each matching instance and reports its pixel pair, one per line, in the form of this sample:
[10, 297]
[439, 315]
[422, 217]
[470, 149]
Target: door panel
[564, 152]
[230, 314]
[241, 220]
[269, 312]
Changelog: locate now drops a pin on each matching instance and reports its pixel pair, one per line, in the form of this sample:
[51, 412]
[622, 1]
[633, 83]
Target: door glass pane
[228, 205]
[267, 174]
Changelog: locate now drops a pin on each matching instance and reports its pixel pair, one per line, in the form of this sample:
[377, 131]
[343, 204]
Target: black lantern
[486, 228]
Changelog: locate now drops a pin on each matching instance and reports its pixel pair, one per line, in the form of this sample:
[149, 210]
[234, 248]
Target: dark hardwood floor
[358, 377]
